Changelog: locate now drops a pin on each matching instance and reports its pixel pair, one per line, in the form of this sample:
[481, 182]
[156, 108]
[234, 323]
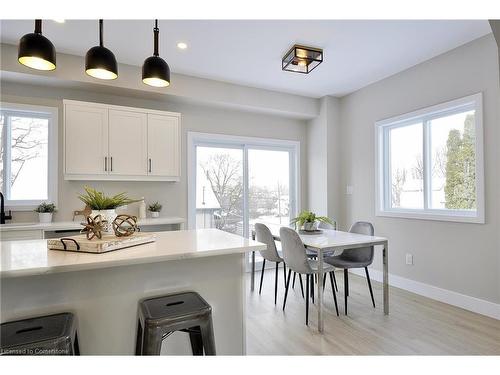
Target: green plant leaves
[96, 200]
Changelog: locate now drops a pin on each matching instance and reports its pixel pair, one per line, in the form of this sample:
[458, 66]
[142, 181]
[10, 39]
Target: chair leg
[284, 273]
[324, 281]
[333, 290]
[293, 282]
[307, 300]
[262, 275]
[151, 345]
[301, 285]
[312, 287]
[346, 289]
[276, 284]
[287, 284]
[369, 285]
[335, 281]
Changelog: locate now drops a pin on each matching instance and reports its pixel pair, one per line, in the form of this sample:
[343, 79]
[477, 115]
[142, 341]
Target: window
[430, 163]
[235, 182]
[28, 139]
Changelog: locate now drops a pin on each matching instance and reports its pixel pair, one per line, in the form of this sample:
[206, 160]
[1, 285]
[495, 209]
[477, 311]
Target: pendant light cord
[101, 31]
[156, 33]
[38, 26]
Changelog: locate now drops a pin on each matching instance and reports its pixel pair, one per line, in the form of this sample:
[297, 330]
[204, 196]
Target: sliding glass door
[235, 182]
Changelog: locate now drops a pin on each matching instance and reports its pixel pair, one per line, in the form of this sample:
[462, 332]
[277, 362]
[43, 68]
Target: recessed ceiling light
[182, 45]
[60, 20]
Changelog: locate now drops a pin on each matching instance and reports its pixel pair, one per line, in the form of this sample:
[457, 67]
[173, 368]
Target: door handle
[111, 160]
[149, 165]
[105, 164]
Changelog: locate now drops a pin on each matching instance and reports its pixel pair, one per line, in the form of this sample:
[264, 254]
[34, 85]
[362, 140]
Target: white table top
[31, 257]
[69, 225]
[334, 239]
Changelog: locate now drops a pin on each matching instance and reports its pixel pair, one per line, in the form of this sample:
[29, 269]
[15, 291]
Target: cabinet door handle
[111, 160]
[105, 164]
[149, 165]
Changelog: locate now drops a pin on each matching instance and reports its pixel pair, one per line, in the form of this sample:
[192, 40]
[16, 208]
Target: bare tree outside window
[26, 139]
[224, 174]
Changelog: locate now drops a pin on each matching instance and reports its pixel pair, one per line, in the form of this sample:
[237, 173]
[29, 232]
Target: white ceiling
[357, 53]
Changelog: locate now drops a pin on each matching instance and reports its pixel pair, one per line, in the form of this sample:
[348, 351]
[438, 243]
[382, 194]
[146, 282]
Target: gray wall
[200, 118]
[464, 258]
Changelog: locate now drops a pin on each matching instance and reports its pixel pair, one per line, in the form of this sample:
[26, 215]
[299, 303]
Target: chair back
[363, 254]
[264, 235]
[328, 226]
[294, 251]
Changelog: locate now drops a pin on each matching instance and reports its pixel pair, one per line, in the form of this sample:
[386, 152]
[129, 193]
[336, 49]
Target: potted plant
[309, 221]
[105, 205]
[155, 209]
[45, 211]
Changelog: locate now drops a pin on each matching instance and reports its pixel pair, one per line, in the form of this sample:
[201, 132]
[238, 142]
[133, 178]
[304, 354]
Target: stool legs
[139, 339]
[196, 340]
[152, 341]
[207, 334]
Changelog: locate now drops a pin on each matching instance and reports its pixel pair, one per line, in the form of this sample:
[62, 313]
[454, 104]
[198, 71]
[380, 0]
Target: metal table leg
[320, 290]
[252, 275]
[385, 260]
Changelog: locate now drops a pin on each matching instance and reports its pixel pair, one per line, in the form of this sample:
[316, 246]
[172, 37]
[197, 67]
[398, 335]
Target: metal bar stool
[159, 317]
[46, 335]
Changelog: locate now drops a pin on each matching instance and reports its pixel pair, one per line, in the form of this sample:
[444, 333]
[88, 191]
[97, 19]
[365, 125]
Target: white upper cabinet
[85, 139]
[127, 143]
[107, 142]
[163, 145]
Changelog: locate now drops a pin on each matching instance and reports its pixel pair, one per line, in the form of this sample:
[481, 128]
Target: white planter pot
[45, 217]
[310, 227]
[109, 216]
[155, 214]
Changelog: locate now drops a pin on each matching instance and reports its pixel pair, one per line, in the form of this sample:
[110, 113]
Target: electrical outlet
[348, 190]
[409, 259]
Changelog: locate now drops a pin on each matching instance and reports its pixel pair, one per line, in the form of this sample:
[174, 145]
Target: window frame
[195, 139]
[52, 114]
[382, 162]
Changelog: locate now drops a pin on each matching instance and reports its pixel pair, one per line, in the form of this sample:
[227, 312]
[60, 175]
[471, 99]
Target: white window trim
[53, 170]
[207, 139]
[382, 162]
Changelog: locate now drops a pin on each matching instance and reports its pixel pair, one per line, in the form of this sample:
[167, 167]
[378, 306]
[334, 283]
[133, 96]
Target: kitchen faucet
[4, 217]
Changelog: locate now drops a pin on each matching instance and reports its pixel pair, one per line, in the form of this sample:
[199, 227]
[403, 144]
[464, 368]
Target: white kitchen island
[103, 289]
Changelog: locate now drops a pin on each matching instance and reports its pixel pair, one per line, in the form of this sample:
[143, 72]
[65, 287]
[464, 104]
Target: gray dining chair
[355, 258]
[264, 235]
[294, 254]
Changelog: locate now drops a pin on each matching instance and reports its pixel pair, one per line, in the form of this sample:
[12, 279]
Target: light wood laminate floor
[416, 325]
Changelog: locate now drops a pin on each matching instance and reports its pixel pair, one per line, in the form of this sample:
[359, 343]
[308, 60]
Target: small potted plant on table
[308, 221]
[155, 209]
[104, 205]
[45, 211]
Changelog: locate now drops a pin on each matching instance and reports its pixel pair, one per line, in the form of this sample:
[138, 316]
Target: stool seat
[186, 312]
[51, 334]
[174, 307]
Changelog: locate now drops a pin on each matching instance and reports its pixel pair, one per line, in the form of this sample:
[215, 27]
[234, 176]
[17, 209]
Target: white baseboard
[443, 295]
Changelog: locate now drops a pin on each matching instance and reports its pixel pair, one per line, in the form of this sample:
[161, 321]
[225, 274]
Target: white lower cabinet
[15, 235]
[107, 142]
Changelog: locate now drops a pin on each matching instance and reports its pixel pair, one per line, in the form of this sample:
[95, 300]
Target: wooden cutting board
[108, 242]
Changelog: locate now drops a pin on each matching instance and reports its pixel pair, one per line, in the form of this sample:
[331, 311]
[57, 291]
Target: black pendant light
[36, 51]
[100, 62]
[155, 71]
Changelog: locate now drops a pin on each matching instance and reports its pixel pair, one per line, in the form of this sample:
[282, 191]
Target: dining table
[328, 241]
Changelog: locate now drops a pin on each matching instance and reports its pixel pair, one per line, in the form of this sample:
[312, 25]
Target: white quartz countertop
[31, 257]
[69, 225]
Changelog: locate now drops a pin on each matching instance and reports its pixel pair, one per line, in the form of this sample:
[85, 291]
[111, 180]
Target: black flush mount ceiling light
[302, 59]
[155, 70]
[36, 51]
[100, 62]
